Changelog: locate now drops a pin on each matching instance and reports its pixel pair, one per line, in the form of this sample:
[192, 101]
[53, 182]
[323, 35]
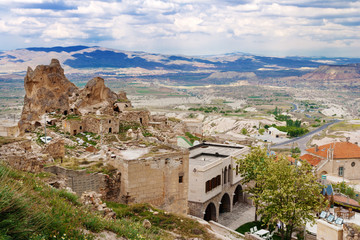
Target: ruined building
[95, 108]
[154, 172]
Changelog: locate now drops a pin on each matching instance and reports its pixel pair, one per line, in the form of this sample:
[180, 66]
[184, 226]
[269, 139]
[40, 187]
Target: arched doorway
[210, 212]
[225, 204]
[238, 194]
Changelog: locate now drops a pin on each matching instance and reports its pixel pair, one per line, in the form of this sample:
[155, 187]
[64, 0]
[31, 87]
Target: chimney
[316, 148]
[356, 143]
[347, 139]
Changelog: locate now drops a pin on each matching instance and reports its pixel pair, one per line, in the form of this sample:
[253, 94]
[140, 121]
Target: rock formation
[48, 90]
[335, 72]
[95, 97]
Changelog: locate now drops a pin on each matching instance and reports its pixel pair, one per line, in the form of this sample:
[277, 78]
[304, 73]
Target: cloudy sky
[191, 27]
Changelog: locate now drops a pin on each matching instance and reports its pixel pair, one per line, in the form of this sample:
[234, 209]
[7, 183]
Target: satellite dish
[196, 142]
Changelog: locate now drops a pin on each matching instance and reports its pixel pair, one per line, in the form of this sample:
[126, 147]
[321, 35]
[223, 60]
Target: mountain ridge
[84, 59]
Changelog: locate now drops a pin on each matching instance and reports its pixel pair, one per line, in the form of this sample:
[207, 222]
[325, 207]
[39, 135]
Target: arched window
[225, 175]
[230, 173]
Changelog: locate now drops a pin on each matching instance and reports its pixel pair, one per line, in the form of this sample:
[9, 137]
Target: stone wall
[352, 167]
[80, 181]
[20, 156]
[55, 149]
[122, 106]
[328, 231]
[28, 164]
[249, 236]
[73, 126]
[351, 231]
[198, 209]
[161, 180]
[9, 131]
[101, 125]
[139, 116]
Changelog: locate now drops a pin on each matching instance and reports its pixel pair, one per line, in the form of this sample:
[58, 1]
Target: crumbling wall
[138, 116]
[161, 180]
[73, 126]
[55, 149]
[28, 164]
[20, 156]
[80, 181]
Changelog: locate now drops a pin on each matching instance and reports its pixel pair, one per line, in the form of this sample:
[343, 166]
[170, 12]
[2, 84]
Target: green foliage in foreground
[29, 209]
[282, 192]
[181, 225]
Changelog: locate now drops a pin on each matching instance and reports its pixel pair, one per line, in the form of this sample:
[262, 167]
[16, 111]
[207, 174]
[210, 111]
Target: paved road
[301, 141]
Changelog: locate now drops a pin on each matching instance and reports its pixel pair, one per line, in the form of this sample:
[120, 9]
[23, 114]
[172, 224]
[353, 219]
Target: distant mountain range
[78, 59]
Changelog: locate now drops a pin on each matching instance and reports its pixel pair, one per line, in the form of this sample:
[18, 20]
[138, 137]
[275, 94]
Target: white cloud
[192, 26]
[62, 31]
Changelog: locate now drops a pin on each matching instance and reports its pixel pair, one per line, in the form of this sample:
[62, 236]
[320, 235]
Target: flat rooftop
[206, 153]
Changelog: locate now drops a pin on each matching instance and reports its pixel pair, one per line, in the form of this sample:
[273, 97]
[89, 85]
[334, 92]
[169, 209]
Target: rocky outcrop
[95, 98]
[46, 90]
[335, 72]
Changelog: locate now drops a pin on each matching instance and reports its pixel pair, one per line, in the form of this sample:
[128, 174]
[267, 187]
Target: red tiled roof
[314, 161]
[343, 199]
[342, 150]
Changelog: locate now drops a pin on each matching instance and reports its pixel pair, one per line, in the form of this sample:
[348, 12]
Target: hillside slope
[335, 72]
[30, 209]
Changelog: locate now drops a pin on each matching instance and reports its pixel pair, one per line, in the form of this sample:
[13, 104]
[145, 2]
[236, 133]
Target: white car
[45, 140]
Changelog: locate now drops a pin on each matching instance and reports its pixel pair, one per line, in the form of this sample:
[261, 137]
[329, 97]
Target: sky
[190, 27]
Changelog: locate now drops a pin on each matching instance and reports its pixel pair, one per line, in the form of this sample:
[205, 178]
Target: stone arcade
[215, 184]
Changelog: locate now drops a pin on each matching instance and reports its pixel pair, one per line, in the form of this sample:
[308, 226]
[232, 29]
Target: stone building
[136, 115]
[214, 182]
[91, 123]
[9, 129]
[158, 177]
[340, 159]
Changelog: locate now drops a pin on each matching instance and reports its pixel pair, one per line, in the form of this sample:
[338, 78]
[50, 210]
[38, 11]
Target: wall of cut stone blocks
[155, 180]
[139, 116]
[80, 181]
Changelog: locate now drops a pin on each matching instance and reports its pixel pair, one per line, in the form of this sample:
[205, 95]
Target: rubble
[93, 199]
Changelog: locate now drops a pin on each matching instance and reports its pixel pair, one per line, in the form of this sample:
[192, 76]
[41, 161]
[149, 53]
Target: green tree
[244, 131]
[290, 195]
[250, 167]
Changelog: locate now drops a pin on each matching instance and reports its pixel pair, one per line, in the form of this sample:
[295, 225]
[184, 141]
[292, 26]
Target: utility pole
[45, 129]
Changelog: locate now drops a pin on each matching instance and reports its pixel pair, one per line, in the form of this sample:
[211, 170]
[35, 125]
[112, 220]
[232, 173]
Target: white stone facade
[214, 184]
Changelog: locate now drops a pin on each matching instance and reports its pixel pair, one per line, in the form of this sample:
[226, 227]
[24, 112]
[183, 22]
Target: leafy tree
[250, 167]
[295, 150]
[290, 195]
[244, 131]
[345, 189]
[261, 131]
[281, 192]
